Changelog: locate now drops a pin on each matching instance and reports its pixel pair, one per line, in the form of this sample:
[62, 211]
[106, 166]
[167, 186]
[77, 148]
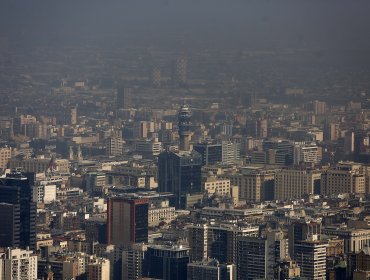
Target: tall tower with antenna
[184, 117]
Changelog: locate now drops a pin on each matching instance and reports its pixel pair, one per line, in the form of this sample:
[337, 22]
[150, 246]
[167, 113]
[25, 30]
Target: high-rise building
[257, 256]
[301, 230]
[306, 153]
[16, 189]
[311, 257]
[319, 107]
[10, 225]
[18, 264]
[230, 152]
[134, 261]
[180, 173]
[114, 146]
[211, 153]
[124, 98]
[127, 220]
[179, 71]
[217, 241]
[156, 77]
[140, 130]
[167, 262]
[211, 270]
[257, 128]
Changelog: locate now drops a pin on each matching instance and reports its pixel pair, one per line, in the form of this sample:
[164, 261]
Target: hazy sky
[236, 23]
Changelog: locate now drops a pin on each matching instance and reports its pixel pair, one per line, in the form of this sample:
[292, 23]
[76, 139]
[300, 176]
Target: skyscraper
[127, 220]
[180, 172]
[211, 153]
[179, 71]
[16, 197]
[124, 98]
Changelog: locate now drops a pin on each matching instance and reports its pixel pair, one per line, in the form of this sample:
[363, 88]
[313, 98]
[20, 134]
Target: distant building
[345, 177]
[257, 256]
[287, 269]
[179, 71]
[161, 212]
[180, 173]
[114, 146]
[95, 183]
[214, 185]
[211, 270]
[230, 152]
[217, 241]
[73, 116]
[311, 257]
[211, 153]
[306, 154]
[296, 182]
[148, 148]
[5, 155]
[257, 128]
[255, 184]
[39, 165]
[167, 262]
[301, 230]
[134, 261]
[127, 221]
[124, 98]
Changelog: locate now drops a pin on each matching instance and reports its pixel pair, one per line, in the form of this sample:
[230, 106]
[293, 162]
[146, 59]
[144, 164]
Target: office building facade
[127, 221]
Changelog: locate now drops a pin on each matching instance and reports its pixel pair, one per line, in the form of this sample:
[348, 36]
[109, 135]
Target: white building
[18, 264]
[161, 212]
[214, 185]
[114, 146]
[306, 153]
[230, 152]
[46, 193]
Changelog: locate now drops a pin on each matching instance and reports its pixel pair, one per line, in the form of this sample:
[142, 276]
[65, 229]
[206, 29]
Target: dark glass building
[211, 153]
[180, 173]
[167, 262]
[18, 211]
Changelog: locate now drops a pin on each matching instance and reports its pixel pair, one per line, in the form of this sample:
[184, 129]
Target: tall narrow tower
[184, 127]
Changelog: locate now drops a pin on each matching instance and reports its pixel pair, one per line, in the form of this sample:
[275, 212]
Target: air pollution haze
[266, 24]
